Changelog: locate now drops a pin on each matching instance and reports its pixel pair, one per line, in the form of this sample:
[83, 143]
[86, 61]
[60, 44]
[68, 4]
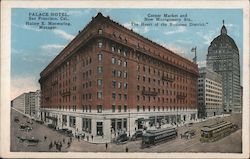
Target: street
[229, 144]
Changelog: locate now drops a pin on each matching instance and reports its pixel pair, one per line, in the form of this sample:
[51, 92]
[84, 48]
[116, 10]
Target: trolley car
[153, 137]
[217, 131]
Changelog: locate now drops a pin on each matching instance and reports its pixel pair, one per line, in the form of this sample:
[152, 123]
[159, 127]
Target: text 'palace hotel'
[111, 79]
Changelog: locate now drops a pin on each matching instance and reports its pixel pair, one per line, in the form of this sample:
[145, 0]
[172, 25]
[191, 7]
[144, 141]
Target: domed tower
[223, 58]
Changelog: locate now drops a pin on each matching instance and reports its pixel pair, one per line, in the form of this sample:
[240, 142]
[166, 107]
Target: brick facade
[108, 69]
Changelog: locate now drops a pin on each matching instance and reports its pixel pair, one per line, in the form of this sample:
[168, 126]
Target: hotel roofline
[52, 65]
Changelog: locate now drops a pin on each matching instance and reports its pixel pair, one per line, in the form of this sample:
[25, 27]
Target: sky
[32, 49]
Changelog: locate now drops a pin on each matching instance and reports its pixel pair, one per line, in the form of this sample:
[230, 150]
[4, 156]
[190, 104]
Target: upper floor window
[125, 74]
[119, 108]
[99, 82]
[113, 108]
[125, 63]
[100, 31]
[125, 108]
[100, 44]
[99, 57]
[113, 60]
[119, 51]
[99, 95]
[125, 85]
[113, 48]
[138, 108]
[119, 62]
[99, 69]
[99, 108]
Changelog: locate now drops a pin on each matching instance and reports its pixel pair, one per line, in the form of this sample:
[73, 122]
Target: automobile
[190, 124]
[188, 134]
[25, 127]
[122, 138]
[137, 135]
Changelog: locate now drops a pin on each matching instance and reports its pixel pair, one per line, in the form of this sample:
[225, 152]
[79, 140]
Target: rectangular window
[119, 62]
[113, 84]
[119, 108]
[113, 108]
[113, 60]
[125, 85]
[125, 74]
[72, 121]
[99, 82]
[138, 108]
[125, 108]
[120, 96]
[99, 57]
[112, 48]
[143, 108]
[99, 44]
[114, 73]
[149, 108]
[119, 85]
[125, 97]
[119, 73]
[113, 96]
[125, 63]
[99, 95]
[100, 31]
[99, 69]
[99, 108]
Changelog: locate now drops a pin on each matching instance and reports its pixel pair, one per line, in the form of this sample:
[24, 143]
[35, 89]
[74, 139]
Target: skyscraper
[223, 58]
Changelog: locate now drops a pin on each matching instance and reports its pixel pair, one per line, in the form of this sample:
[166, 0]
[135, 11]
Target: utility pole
[195, 55]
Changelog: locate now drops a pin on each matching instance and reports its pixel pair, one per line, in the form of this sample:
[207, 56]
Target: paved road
[230, 144]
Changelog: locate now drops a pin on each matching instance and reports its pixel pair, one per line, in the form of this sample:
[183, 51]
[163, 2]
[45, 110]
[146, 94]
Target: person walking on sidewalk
[106, 145]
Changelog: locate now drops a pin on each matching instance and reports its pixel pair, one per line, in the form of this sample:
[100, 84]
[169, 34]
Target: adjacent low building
[210, 93]
[28, 103]
[110, 79]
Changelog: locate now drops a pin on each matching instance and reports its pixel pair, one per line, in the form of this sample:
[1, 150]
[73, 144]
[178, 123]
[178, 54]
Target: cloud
[187, 41]
[63, 34]
[52, 46]
[21, 84]
[176, 49]
[179, 29]
[27, 27]
[207, 37]
[201, 63]
[141, 30]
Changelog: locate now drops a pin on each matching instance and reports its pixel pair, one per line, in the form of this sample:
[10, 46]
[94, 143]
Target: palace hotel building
[110, 79]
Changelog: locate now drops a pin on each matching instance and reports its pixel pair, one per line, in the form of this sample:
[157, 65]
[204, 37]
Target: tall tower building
[223, 58]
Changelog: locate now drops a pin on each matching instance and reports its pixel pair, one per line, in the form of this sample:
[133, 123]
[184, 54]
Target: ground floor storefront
[105, 127]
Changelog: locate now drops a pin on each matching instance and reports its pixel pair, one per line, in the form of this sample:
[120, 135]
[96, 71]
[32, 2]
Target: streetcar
[153, 137]
[217, 131]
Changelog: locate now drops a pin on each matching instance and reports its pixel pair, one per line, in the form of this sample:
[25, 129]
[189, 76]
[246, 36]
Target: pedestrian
[63, 140]
[87, 138]
[92, 137]
[70, 139]
[106, 146]
[50, 145]
[102, 135]
[60, 148]
[45, 137]
[68, 144]
[126, 149]
[54, 142]
[78, 137]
